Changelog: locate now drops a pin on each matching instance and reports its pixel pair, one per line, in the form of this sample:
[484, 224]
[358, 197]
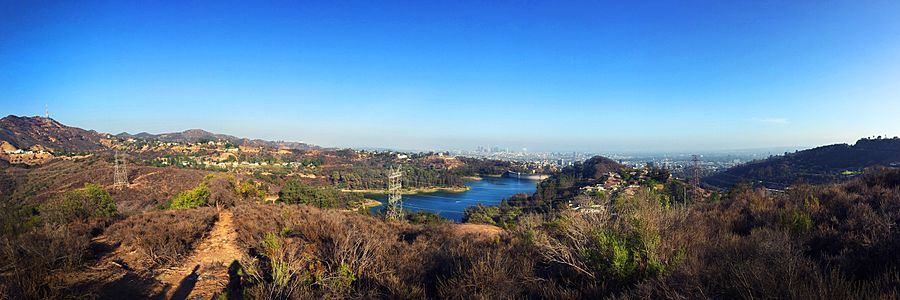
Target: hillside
[149, 186]
[566, 183]
[817, 165]
[39, 132]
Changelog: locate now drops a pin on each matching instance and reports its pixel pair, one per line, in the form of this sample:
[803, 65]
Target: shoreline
[369, 203]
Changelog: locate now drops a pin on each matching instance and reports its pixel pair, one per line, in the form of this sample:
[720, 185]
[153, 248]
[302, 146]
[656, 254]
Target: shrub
[27, 261]
[163, 237]
[196, 197]
[425, 218]
[81, 204]
[248, 190]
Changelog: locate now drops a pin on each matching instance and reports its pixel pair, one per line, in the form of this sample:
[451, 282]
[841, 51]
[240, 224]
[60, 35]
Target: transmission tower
[121, 174]
[395, 199]
[695, 178]
[695, 171]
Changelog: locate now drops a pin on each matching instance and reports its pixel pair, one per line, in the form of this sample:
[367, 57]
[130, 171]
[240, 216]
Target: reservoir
[488, 191]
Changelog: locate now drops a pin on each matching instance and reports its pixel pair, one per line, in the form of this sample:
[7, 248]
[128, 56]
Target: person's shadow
[186, 285]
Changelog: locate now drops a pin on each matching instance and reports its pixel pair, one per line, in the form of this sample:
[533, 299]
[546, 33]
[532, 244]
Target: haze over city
[586, 76]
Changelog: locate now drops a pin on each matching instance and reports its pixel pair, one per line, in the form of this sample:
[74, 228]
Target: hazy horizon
[585, 76]
[776, 149]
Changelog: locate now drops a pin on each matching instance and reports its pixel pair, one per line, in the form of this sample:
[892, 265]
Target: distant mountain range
[817, 165]
[40, 132]
[200, 135]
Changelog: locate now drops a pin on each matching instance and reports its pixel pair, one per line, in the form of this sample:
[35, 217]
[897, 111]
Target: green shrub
[85, 203]
[196, 197]
[249, 190]
[612, 254]
[625, 257]
[796, 222]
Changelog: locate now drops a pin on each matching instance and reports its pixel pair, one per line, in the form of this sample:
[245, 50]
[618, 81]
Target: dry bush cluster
[39, 242]
[28, 260]
[811, 242]
[298, 251]
[161, 238]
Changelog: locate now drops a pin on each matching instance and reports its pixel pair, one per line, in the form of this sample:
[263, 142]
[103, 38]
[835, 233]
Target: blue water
[489, 191]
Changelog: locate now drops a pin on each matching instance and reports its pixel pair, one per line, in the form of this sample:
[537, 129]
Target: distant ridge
[40, 132]
[200, 135]
[817, 165]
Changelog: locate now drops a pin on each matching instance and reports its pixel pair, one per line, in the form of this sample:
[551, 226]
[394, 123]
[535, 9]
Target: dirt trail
[205, 272]
[139, 177]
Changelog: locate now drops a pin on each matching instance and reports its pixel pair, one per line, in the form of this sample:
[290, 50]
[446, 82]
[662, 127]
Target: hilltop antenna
[395, 199]
[46, 111]
[121, 174]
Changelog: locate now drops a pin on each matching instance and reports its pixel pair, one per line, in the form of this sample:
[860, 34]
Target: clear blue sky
[547, 75]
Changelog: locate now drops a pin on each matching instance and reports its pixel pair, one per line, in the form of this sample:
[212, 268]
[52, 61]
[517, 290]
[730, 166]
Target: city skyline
[584, 76]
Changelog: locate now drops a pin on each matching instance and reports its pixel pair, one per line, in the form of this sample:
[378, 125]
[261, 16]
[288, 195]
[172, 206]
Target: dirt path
[205, 272]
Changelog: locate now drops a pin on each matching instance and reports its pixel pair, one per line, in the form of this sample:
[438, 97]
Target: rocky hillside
[817, 165]
[37, 133]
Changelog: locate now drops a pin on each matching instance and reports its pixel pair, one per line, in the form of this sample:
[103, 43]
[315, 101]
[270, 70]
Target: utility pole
[395, 199]
[121, 174]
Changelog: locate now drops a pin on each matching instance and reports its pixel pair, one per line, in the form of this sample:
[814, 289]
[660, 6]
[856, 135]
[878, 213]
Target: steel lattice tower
[695, 171]
[695, 177]
[395, 199]
[121, 174]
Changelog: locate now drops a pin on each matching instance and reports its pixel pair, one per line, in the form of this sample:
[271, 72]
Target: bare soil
[205, 272]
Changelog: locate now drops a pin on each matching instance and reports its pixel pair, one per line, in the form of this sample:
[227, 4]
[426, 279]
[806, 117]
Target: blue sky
[546, 75]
